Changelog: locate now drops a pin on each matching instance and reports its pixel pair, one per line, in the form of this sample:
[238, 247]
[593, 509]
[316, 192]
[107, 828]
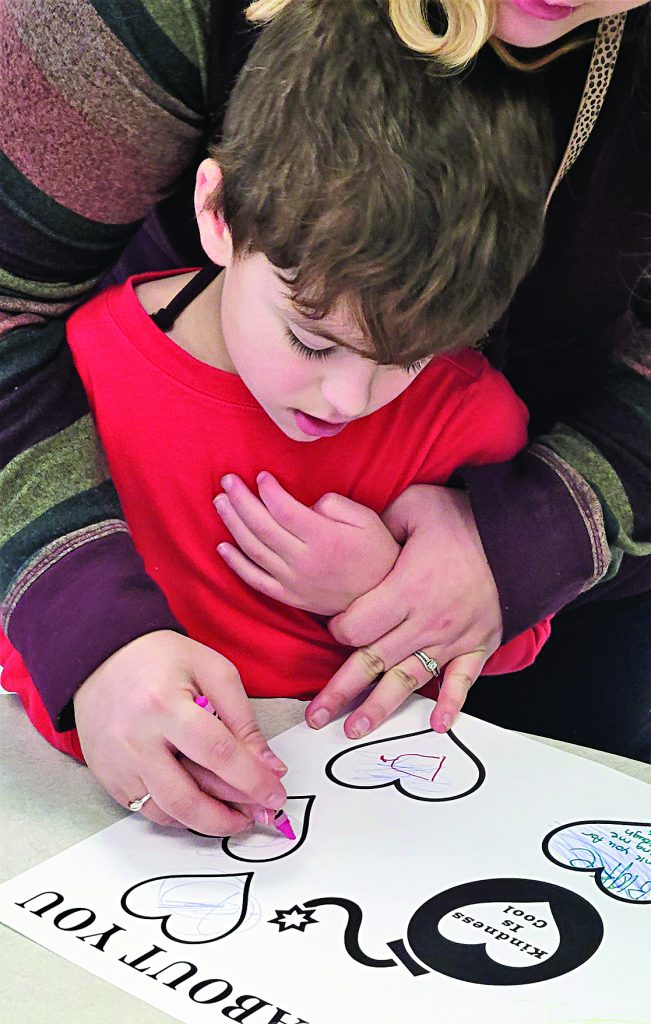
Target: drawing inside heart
[265, 844]
[192, 908]
[423, 765]
[618, 853]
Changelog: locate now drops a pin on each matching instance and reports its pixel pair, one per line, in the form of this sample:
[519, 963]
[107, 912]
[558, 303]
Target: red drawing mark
[393, 761]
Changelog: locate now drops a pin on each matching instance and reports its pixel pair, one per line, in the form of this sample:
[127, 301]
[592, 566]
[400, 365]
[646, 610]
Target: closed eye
[416, 367]
[305, 350]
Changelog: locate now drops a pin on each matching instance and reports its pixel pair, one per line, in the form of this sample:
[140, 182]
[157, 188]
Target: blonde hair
[470, 24]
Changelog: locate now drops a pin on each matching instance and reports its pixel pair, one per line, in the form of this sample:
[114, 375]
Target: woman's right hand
[136, 713]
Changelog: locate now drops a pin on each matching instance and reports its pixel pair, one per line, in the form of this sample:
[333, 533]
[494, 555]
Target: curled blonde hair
[470, 24]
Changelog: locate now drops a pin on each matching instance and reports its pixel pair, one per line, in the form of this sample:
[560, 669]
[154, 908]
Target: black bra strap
[166, 316]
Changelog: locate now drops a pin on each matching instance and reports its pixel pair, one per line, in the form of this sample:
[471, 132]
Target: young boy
[370, 216]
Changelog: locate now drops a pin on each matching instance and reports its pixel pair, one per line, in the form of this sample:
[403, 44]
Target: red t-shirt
[172, 426]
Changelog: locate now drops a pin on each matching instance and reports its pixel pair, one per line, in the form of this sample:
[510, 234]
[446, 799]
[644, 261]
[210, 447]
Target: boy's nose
[348, 390]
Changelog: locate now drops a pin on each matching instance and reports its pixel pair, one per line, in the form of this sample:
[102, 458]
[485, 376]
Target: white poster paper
[474, 876]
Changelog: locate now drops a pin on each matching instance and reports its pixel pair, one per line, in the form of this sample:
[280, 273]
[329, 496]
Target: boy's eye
[415, 367]
[305, 350]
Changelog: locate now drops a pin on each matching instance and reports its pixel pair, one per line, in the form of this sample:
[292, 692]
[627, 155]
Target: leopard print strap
[602, 65]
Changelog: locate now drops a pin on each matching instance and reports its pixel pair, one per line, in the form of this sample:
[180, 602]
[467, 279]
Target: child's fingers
[341, 509]
[257, 517]
[251, 573]
[459, 675]
[251, 544]
[379, 614]
[297, 519]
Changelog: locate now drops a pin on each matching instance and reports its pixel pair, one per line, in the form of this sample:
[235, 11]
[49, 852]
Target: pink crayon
[203, 702]
[283, 824]
[281, 821]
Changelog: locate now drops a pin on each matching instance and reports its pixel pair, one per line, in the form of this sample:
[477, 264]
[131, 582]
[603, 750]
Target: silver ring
[136, 805]
[431, 664]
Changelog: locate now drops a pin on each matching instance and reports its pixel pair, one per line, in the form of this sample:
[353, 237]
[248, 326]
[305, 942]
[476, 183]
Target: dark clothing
[590, 684]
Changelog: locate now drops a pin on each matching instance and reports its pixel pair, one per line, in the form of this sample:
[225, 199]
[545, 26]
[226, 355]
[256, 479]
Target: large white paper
[473, 877]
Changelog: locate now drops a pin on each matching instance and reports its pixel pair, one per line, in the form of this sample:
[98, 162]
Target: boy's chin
[288, 426]
[295, 434]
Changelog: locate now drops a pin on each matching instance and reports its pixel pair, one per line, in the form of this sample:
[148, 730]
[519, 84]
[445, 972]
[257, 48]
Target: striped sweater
[105, 109]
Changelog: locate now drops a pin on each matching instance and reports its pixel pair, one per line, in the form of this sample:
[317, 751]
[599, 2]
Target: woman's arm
[103, 107]
[577, 501]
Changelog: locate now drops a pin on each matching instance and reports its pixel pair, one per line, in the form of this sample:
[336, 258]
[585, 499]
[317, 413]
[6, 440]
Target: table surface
[49, 803]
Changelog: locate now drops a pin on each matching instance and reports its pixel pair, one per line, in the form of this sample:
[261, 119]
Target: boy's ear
[215, 236]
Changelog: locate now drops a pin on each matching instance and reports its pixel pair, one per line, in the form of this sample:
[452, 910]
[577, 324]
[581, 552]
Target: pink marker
[283, 824]
[281, 821]
[203, 702]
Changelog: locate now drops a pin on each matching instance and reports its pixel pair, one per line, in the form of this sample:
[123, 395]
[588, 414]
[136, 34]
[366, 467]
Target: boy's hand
[319, 558]
[136, 713]
[440, 598]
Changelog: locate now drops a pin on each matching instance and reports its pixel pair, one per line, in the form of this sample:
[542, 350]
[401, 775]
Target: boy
[370, 216]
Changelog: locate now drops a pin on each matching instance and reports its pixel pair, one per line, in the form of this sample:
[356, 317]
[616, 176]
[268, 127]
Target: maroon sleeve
[534, 535]
[100, 599]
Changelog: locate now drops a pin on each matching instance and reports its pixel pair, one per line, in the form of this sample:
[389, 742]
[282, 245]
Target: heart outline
[481, 771]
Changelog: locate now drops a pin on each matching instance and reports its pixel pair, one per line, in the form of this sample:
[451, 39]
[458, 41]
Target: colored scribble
[443, 768]
[192, 908]
[618, 853]
[414, 765]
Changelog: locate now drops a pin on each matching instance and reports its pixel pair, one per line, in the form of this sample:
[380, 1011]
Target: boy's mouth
[314, 427]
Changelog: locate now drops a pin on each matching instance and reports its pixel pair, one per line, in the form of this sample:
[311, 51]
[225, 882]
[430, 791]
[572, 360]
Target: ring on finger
[137, 805]
[431, 664]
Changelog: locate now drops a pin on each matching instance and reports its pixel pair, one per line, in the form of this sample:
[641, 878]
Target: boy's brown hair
[376, 181]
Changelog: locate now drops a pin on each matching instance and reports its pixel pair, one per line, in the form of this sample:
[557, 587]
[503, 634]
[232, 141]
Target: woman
[106, 107]
[537, 535]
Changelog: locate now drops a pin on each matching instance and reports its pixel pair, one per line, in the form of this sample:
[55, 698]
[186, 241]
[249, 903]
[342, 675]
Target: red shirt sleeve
[487, 424]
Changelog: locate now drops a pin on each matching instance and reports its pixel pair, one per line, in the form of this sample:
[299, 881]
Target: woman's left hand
[440, 598]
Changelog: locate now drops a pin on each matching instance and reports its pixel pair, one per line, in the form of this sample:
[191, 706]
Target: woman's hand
[440, 598]
[319, 559]
[136, 713]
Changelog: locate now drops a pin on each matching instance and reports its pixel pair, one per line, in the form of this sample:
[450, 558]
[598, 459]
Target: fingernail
[276, 801]
[359, 727]
[444, 723]
[220, 502]
[273, 761]
[262, 816]
[319, 718]
[227, 482]
[261, 477]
